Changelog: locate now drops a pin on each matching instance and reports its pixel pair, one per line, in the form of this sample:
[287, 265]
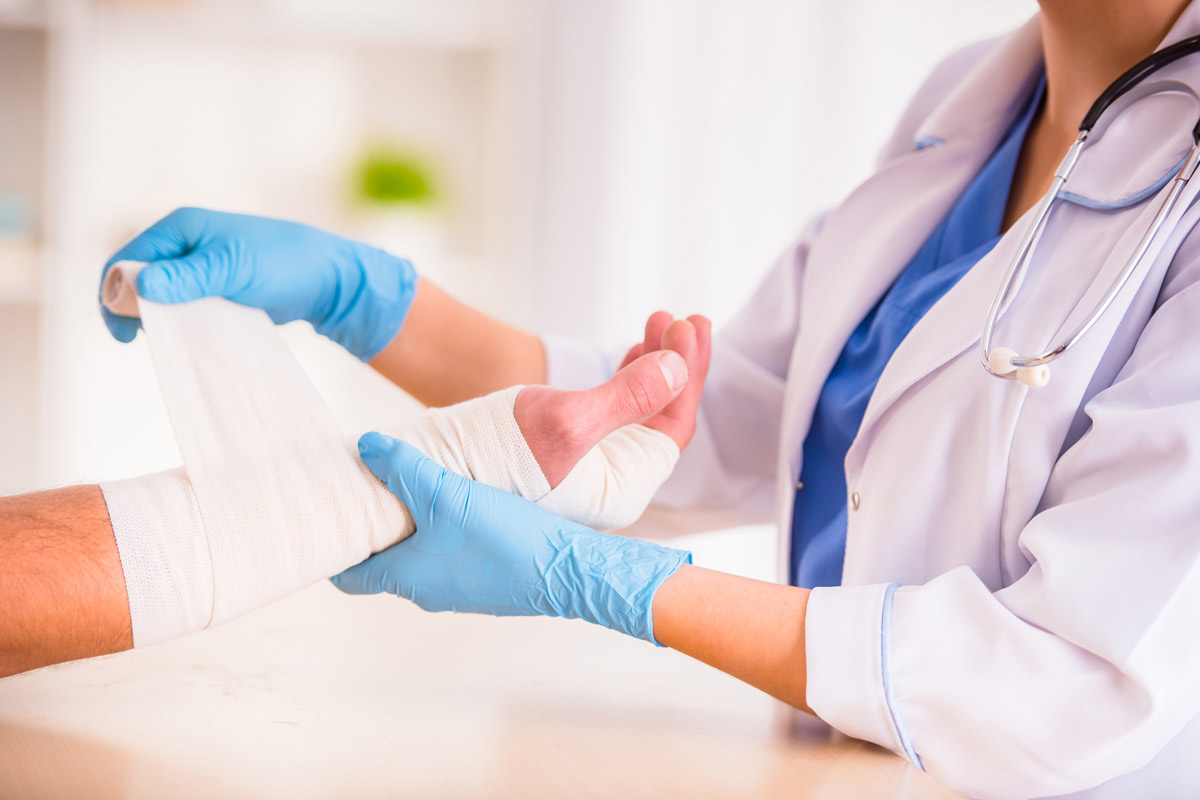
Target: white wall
[204, 104]
[605, 158]
[688, 140]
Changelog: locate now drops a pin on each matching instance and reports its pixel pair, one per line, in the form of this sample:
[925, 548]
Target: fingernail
[674, 369]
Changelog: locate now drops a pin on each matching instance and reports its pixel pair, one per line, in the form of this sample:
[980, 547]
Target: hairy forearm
[747, 628]
[62, 591]
[448, 352]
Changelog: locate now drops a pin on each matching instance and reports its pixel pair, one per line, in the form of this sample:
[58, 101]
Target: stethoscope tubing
[1135, 75]
[1031, 370]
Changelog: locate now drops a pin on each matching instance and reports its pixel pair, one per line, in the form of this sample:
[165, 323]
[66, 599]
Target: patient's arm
[61, 587]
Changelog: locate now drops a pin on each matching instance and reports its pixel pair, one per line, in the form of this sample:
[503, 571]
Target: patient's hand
[658, 385]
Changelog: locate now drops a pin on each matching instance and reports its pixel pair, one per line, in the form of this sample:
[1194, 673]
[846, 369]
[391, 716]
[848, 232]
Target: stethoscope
[1003, 362]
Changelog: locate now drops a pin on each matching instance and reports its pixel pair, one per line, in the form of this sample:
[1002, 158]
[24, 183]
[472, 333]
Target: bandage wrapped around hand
[271, 496]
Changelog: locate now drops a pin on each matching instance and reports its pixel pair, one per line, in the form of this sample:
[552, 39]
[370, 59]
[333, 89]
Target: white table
[324, 695]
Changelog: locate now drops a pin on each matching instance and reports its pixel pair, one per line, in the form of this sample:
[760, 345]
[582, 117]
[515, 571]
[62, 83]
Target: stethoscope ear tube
[1138, 73]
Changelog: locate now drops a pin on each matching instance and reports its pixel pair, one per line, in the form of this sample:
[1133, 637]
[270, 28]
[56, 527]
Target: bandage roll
[119, 291]
[273, 496]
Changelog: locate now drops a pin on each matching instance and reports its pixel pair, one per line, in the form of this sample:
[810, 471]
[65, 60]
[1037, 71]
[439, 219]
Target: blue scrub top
[965, 236]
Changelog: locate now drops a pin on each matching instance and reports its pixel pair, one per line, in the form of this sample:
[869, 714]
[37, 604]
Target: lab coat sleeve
[1085, 667]
[726, 475]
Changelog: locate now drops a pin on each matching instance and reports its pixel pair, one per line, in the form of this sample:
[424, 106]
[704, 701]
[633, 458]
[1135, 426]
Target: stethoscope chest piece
[1000, 362]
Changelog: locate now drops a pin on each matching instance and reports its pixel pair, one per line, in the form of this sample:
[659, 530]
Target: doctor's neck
[1089, 43]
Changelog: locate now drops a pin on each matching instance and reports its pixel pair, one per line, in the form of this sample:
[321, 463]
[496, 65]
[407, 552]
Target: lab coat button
[854, 498]
[799, 485]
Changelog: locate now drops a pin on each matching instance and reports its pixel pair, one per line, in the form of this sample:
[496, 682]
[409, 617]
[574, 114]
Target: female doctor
[999, 582]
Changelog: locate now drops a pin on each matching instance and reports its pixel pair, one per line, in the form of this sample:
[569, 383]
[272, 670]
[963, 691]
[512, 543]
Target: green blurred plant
[391, 177]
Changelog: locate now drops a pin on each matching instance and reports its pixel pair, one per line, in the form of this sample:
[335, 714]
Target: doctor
[1000, 583]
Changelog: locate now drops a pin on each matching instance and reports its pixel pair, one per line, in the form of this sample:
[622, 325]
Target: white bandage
[608, 489]
[272, 498]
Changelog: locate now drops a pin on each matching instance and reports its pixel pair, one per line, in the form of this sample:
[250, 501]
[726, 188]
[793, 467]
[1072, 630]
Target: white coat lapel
[873, 235]
[862, 248]
[859, 252]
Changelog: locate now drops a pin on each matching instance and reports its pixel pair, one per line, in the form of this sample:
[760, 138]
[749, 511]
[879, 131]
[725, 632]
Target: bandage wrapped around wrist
[272, 497]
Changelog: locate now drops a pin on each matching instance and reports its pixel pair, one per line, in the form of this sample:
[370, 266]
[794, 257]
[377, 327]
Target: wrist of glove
[481, 550]
[354, 294]
[607, 579]
[371, 295]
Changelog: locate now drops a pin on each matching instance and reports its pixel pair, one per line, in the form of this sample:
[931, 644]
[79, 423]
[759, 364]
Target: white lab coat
[1045, 638]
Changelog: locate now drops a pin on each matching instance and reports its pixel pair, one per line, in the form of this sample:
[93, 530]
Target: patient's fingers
[635, 352]
[699, 370]
[692, 339]
[656, 326]
[675, 420]
[680, 336]
[651, 340]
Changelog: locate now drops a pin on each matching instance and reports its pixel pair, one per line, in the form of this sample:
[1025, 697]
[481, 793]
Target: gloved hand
[351, 292]
[481, 550]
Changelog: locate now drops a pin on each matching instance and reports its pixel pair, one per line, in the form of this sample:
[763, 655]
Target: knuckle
[561, 419]
[569, 422]
[189, 222]
[640, 395]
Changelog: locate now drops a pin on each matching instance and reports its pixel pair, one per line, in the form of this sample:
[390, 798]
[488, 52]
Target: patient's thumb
[641, 389]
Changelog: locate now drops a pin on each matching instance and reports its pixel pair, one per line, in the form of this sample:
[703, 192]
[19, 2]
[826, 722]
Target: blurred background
[567, 165]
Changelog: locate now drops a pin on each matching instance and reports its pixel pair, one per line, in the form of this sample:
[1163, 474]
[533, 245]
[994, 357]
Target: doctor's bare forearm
[447, 352]
[750, 629]
[62, 590]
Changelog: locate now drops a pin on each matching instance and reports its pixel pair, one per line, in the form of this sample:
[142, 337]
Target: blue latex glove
[481, 550]
[353, 293]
